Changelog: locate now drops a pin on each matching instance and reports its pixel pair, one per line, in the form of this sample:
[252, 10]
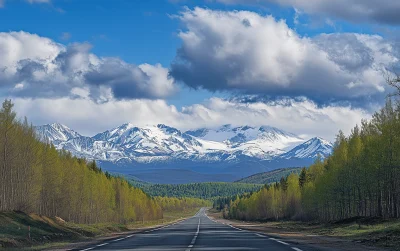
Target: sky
[310, 67]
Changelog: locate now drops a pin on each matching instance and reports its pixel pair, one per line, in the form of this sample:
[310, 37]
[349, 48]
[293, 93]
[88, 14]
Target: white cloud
[45, 68]
[29, 1]
[381, 11]
[244, 51]
[301, 116]
[38, 1]
[66, 36]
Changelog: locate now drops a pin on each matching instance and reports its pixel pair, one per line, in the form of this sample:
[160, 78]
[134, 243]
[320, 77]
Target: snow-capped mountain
[261, 142]
[161, 143]
[56, 133]
[310, 149]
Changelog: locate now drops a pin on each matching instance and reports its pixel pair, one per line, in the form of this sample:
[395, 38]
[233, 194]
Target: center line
[194, 238]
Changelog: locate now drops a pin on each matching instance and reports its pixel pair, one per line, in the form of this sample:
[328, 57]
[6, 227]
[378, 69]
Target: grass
[368, 231]
[52, 232]
[378, 233]
[384, 233]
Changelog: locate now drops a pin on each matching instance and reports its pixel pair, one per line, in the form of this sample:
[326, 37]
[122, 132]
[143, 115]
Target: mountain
[228, 151]
[263, 142]
[310, 149]
[56, 133]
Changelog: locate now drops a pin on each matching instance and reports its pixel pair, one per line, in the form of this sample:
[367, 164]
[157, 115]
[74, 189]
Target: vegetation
[209, 191]
[169, 204]
[360, 179]
[37, 178]
[20, 231]
[270, 177]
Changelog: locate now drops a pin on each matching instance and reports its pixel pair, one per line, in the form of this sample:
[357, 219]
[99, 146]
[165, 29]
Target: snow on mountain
[163, 143]
[260, 142]
[55, 133]
[310, 149]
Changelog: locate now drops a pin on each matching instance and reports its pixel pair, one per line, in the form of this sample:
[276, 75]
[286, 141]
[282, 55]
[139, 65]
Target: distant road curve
[197, 233]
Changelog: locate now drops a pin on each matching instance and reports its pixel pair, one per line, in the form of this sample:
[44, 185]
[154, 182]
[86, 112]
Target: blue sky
[199, 85]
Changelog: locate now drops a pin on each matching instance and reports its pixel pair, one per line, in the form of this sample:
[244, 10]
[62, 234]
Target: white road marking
[297, 249]
[100, 245]
[260, 235]
[282, 242]
[194, 238]
[120, 239]
[87, 249]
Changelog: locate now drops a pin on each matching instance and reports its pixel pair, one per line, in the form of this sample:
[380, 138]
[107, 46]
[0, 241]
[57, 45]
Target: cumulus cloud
[300, 116]
[380, 11]
[34, 66]
[249, 53]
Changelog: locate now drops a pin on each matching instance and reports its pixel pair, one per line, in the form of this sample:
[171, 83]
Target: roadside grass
[46, 232]
[369, 231]
[382, 233]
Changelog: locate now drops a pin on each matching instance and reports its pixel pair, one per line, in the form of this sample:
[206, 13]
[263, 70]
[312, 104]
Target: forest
[36, 177]
[360, 179]
[208, 191]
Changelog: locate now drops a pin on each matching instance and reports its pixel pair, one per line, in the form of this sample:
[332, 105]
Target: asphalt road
[195, 234]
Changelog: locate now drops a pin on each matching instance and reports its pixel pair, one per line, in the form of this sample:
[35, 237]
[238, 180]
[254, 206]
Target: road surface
[198, 233]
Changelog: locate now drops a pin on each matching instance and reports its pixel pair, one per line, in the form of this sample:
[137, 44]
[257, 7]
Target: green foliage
[360, 179]
[36, 177]
[206, 191]
[170, 204]
[270, 177]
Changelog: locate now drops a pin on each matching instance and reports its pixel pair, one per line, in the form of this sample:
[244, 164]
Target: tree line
[360, 179]
[36, 177]
[172, 204]
[208, 191]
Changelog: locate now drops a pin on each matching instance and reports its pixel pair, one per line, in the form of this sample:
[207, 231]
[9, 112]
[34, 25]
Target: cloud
[380, 11]
[34, 66]
[244, 52]
[65, 36]
[2, 2]
[300, 116]
[38, 1]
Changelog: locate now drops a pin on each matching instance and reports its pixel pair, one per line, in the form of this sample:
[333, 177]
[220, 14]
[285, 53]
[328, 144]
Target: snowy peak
[159, 140]
[56, 133]
[158, 143]
[241, 134]
[310, 149]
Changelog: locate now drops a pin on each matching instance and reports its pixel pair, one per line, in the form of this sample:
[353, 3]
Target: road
[195, 234]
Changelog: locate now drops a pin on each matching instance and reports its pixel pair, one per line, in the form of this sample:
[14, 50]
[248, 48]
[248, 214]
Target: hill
[269, 177]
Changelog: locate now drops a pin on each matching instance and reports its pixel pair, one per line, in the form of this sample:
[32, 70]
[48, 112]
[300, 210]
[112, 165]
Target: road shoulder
[319, 242]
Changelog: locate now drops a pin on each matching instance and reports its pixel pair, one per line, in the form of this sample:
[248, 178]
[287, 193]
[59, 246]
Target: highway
[197, 233]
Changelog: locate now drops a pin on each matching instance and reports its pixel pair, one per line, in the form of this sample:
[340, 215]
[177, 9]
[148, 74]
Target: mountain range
[226, 153]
